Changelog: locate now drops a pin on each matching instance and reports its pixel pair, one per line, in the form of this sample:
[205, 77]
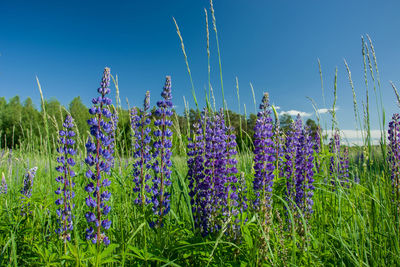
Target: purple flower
[162, 154]
[212, 172]
[65, 192]
[26, 190]
[394, 156]
[140, 123]
[298, 169]
[3, 185]
[28, 182]
[264, 157]
[198, 191]
[100, 150]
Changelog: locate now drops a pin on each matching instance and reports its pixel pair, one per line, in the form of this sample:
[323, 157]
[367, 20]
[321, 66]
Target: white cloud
[293, 112]
[326, 110]
[354, 137]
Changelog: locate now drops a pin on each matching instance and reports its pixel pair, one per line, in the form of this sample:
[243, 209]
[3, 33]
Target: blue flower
[100, 150]
[162, 154]
[140, 123]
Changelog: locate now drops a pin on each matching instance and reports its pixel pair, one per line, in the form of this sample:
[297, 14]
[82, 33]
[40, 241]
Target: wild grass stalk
[357, 118]
[214, 22]
[240, 113]
[322, 82]
[333, 112]
[187, 63]
[208, 53]
[46, 126]
[366, 109]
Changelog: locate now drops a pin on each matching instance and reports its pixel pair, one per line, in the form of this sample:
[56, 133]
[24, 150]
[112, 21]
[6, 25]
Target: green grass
[352, 225]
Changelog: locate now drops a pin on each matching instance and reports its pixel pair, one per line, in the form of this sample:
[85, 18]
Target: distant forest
[23, 126]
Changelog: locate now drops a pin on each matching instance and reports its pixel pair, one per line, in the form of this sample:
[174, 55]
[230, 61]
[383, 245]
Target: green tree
[80, 114]
[286, 122]
[11, 117]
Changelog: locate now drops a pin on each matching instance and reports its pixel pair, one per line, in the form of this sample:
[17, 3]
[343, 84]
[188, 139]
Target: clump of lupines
[264, 158]
[140, 123]
[26, 190]
[162, 155]
[3, 185]
[231, 187]
[213, 183]
[100, 149]
[394, 156]
[298, 169]
[288, 168]
[66, 161]
[339, 161]
[198, 187]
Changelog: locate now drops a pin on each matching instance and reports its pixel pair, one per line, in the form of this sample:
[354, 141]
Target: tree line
[23, 126]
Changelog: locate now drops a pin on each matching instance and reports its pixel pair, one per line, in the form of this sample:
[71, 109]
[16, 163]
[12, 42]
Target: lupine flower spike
[264, 159]
[298, 170]
[216, 173]
[65, 193]
[198, 186]
[3, 185]
[100, 149]
[304, 171]
[140, 120]
[394, 158]
[27, 189]
[162, 155]
[216, 194]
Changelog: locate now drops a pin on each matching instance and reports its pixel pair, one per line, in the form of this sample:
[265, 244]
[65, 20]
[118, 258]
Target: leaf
[136, 231]
[247, 236]
[138, 253]
[106, 252]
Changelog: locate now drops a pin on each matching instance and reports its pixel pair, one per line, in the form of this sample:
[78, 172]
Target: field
[210, 187]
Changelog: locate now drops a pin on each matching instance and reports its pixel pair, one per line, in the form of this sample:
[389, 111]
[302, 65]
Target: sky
[275, 45]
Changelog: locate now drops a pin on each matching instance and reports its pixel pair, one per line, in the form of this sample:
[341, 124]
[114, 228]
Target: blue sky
[273, 44]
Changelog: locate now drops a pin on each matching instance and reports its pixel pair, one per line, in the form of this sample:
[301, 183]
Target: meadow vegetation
[145, 186]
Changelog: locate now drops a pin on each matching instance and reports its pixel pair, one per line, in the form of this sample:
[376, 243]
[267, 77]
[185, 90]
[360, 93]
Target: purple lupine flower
[100, 150]
[242, 194]
[264, 157]
[298, 168]
[305, 173]
[66, 161]
[3, 185]
[216, 161]
[317, 140]
[111, 135]
[288, 168]
[212, 175]
[198, 190]
[28, 182]
[394, 156]
[140, 123]
[26, 190]
[233, 204]
[339, 161]
[162, 154]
